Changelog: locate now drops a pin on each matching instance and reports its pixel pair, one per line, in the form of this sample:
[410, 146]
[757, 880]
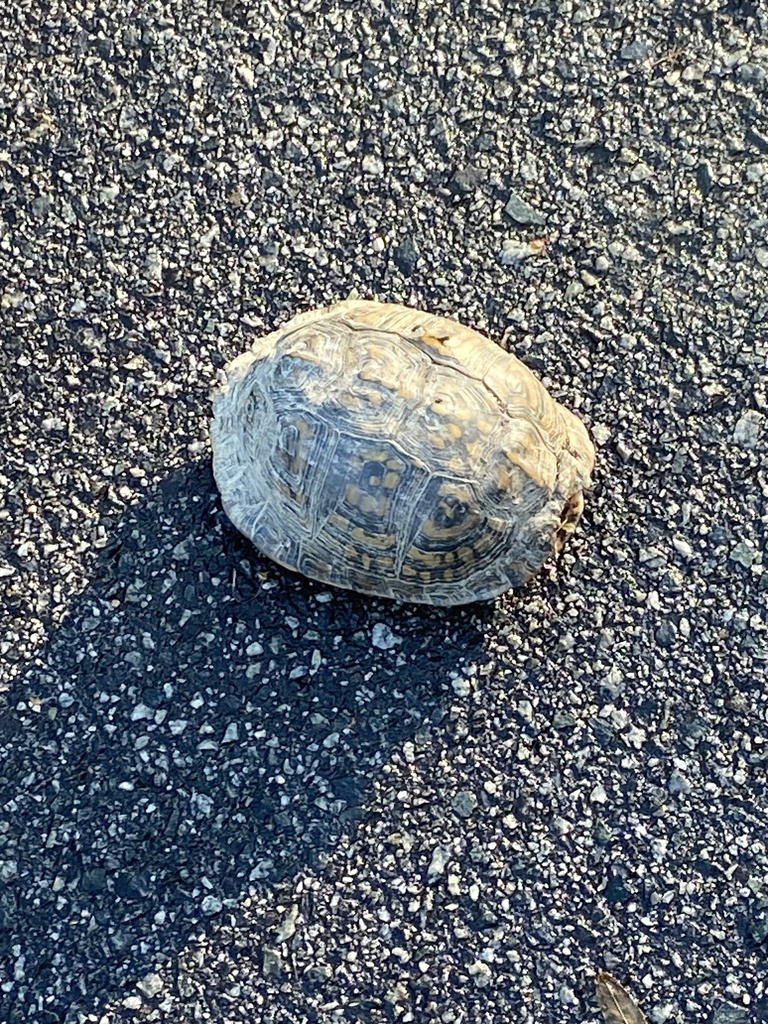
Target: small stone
[383, 637]
[682, 547]
[601, 433]
[598, 795]
[373, 165]
[525, 709]
[567, 996]
[272, 962]
[662, 1013]
[748, 428]
[563, 720]
[522, 212]
[93, 881]
[466, 180]
[752, 74]
[635, 737]
[201, 803]
[231, 734]
[211, 905]
[616, 890]
[589, 279]
[461, 687]
[154, 267]
[480, 973]
[637, 50]
[464, 803]
[254, 649]
[640, 172]
[397, 994]
[318, 974]
[150, 985]
[9, 869]
[667, 634]
[757, 139]
[52, 424]
[678, 784]
[132, 1002]
[513, 252]
[743, 554]
[440, 857]
[246, 75]
[405, 256]
[704, 179]
[729, 1013]
[288, 927]
[141, 711]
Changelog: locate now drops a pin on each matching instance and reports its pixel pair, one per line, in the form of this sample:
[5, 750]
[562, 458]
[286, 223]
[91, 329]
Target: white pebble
[383, 637]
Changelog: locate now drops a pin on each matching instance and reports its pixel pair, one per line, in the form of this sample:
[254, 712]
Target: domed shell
[392, 452]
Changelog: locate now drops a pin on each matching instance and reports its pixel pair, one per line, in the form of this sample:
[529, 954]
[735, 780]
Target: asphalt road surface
[228, 794]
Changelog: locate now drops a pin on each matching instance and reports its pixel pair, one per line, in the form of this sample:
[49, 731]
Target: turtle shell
[393, 452]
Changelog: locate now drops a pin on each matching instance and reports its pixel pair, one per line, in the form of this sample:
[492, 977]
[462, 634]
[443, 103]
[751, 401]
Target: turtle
[396, 453]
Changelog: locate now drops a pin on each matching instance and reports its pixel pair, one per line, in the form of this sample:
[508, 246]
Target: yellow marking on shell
[407, 389]
[370, 503]
[374, 480]
[306, 356]
[378, 541]
[391, 480]
[374, 397]
[473, 452]
[528, 467]
[458, 463]
[350, 401]
[338, 523]
[436, 341]
[352, 495]
[463, 412]
[384, 562]
[366, 560]
[304, 428]
[504, 477]
[375, 455]
[454, 431]
[434, 559]
[434, 532]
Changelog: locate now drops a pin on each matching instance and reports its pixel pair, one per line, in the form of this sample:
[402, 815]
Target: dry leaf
[617, 1004]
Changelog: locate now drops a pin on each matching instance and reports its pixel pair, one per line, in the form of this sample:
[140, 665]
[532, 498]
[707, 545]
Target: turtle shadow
[201, 722]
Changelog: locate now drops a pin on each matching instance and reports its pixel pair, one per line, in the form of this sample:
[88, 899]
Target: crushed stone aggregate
[227, 794]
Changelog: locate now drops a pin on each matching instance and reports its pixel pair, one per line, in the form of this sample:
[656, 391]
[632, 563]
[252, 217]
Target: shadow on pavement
[201, 722]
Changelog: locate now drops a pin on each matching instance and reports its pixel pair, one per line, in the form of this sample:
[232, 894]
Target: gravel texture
[229, 795]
